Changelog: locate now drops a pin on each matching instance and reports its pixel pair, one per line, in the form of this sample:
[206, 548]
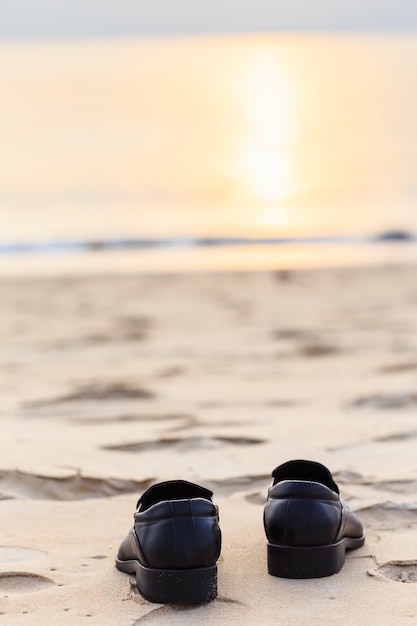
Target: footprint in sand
[389, 516]
[256, 486]
[135, 417]
[317, 349]
[400, 571]
[398, 367]
[171, 371]
[132, 327]
[395, 486]
[283, 276]
[256, 498]
[174, 613]
[347, 477]
[21, 485]
[191, 422]
[14, 554]
[404, 435]
[386, 401]
[310, 346]
[96, 391]
[288, 334]
[184, 445]
[12, 583]
[399, 436]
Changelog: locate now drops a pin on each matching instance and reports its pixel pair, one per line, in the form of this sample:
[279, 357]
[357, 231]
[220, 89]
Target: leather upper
[304, 507]
[176, 526]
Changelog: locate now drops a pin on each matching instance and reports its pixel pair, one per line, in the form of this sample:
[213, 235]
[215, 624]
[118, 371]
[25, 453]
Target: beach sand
[111, 383]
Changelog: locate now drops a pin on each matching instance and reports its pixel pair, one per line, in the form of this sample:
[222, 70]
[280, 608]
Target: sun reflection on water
[263, 161]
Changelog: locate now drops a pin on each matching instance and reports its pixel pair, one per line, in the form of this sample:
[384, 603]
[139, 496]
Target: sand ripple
[23, 582]
[22, 485]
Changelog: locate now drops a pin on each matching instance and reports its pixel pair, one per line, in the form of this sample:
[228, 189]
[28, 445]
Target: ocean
[210, 152]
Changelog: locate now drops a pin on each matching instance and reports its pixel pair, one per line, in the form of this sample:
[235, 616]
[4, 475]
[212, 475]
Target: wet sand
[111, 383]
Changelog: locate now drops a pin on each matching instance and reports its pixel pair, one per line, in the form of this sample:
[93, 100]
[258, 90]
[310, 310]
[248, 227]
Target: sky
[27, 19]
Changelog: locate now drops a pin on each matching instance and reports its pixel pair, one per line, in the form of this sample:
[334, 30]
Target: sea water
[232, 151]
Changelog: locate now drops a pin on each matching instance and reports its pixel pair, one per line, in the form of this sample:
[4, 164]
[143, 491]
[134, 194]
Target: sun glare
[269, 174]
[264, 161]
[274, 217]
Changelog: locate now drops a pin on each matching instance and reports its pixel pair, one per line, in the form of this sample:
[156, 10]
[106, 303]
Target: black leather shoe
[174, 544]
[307, 524]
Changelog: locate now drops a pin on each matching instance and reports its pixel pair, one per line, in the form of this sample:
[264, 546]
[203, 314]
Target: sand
[109, 384]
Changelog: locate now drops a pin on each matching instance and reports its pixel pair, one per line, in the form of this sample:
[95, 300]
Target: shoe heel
[181, 586]
[308, 562]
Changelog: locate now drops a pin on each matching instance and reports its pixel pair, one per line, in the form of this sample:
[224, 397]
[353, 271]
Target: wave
[134, 243]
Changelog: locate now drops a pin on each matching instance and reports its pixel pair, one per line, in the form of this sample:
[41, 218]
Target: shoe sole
[188, 586]
[310, 562]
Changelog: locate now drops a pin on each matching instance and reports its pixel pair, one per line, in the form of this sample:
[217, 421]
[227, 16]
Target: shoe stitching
[308, 516]
[194, 531]
[172, 535]
[287, 510]
[141, 553]
[342, 524]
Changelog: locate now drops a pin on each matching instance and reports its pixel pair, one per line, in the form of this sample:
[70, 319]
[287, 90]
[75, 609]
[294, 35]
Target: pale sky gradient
[104, 18]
